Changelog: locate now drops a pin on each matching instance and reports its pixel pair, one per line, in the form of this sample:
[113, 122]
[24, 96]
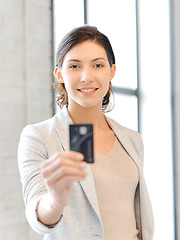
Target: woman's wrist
[53, 205]
[48, 212]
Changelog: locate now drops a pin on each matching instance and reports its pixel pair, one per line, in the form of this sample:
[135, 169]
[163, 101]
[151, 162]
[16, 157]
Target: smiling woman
[65, 197]
[84, 35]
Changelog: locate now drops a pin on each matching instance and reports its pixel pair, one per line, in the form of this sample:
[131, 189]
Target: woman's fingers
[59, 163]
[75, 156]
[66, 171]
[66, 182]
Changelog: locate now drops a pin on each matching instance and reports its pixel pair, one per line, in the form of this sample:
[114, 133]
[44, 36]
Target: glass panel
[117, 19]
[156, 112]
[125, 111]
[67, 15]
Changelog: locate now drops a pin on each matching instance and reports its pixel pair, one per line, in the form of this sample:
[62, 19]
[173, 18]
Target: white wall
[25, 97]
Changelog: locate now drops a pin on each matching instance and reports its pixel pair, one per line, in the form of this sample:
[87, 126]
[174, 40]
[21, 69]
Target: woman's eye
[74, 66]
[98, 65]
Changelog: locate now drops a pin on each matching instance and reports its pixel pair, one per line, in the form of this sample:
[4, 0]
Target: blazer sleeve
[32, 151]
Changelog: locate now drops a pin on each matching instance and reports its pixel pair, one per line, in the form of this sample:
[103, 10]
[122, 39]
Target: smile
[88, 89]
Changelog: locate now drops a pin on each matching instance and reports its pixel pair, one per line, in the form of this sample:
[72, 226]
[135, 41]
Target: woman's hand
[59, 172]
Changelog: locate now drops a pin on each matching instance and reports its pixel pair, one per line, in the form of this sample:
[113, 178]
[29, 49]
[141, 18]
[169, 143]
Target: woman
[65, 197]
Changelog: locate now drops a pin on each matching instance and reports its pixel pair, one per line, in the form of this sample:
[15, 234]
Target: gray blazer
[81, 217]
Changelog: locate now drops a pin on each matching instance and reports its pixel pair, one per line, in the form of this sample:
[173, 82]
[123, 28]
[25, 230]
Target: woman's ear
[58, 75]
[113, 71]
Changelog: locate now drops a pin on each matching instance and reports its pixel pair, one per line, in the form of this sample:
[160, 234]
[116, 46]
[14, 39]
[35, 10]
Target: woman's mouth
[87, 91]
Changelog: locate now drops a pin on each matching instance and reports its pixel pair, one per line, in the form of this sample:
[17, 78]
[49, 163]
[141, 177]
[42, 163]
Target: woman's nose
[86, 76]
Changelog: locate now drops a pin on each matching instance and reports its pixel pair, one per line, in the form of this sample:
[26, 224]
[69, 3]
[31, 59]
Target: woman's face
[86, 74]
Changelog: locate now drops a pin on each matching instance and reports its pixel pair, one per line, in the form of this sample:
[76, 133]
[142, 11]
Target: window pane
[156, 112]
[125, 111]
[117, 19]
[67, 15]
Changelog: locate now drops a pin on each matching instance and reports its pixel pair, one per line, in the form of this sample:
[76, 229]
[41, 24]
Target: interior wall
[25, 97]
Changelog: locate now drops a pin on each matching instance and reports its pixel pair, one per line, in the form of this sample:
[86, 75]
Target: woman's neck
[103, 135]
[83, 115]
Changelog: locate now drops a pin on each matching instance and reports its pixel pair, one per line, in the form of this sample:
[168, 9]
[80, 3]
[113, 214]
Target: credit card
[81, 140]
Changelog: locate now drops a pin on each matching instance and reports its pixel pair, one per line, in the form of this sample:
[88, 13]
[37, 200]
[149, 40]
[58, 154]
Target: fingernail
[80, 157]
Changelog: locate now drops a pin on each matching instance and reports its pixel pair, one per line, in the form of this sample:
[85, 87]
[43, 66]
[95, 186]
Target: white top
[116, 178]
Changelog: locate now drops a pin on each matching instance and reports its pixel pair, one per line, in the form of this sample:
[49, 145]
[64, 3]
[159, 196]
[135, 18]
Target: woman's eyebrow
[73, 60]
[94, 60]
[100, 58]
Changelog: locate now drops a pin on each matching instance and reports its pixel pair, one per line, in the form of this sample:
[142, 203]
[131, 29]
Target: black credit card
[81, 140]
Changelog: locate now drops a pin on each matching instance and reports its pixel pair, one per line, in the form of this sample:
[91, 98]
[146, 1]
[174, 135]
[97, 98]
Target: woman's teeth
[87, 90]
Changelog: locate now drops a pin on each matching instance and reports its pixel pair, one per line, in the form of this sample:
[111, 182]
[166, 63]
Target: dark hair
[74, 37]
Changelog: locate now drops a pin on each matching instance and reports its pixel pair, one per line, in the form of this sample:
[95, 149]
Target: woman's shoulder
[40, 127]
[125, 132]
[120, 127]
[49, 126]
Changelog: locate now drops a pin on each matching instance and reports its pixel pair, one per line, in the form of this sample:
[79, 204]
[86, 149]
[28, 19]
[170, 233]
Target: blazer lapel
[126, 141]
[61, 125]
